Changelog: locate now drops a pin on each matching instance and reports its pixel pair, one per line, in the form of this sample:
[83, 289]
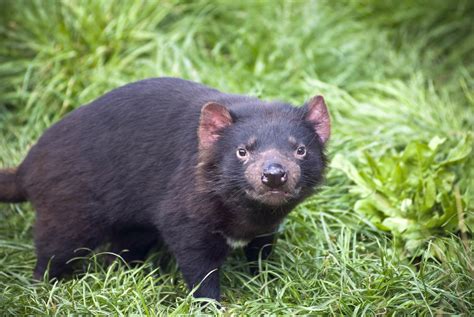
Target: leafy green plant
[412, 193]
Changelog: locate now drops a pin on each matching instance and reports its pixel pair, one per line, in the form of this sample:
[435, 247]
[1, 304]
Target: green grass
[391, 72]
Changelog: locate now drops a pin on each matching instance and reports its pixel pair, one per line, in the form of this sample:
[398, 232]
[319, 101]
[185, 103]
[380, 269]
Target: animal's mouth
[275, 192]
[272, 197]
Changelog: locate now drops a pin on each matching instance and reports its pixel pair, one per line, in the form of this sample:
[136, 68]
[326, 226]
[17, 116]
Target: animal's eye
[241, 152]
[301, 151]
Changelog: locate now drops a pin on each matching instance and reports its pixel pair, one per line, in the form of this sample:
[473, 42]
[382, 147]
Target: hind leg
[58, 242]
[133, 244]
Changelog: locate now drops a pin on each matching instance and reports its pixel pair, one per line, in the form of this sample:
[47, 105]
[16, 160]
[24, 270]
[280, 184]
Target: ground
[391, 72]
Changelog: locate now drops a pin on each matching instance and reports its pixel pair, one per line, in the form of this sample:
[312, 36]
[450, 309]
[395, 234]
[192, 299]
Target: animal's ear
[317, 114]
[214, 118]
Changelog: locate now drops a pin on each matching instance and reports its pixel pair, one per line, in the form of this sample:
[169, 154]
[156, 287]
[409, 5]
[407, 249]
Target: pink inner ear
[318, 115]
[214, 118]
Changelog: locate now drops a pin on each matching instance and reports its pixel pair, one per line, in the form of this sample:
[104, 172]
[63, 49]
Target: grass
[391, 72]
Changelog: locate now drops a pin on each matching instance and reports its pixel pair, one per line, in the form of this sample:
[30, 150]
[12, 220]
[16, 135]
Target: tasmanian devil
[169, 160]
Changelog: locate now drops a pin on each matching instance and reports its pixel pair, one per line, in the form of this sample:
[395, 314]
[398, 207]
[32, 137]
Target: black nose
[274, 175]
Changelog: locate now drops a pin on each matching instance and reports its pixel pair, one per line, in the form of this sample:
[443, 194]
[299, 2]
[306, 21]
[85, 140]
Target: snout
[274, 175]
[273, 178]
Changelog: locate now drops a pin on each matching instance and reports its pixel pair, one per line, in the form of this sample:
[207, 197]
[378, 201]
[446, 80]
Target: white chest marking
[235, 244]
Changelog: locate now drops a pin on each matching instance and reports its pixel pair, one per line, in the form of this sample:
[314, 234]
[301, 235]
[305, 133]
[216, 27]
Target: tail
[10, 190]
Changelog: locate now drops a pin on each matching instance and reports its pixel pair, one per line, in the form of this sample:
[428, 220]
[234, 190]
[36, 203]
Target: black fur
[127, 169]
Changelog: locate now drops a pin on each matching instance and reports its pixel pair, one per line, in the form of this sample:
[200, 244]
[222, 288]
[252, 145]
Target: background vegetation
[398, 77]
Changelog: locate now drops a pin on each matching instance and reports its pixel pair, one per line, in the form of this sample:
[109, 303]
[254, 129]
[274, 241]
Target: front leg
[260, 245]
[200, 260]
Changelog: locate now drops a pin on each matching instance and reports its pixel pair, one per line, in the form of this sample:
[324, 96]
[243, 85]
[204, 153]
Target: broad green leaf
[435, 142]
[396, 224]
[366, 207]
[373, 165]
[398, 175]
[383, 204]
[341, 163]
[430, 193]
[460, 151]
[413, 245]
[406, 204]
